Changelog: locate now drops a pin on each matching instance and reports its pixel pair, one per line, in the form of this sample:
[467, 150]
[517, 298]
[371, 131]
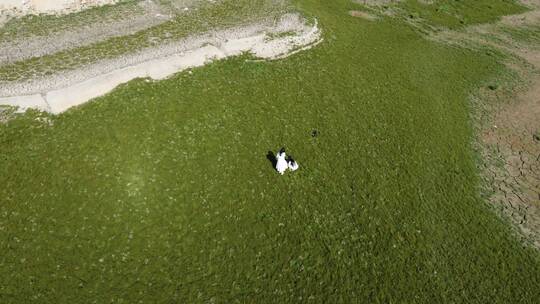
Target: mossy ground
[162, 192]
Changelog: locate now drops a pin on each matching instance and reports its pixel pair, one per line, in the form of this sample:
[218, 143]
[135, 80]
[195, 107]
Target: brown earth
[376, 2]
[508, 117]
[511, 140]
[512, 151]
[363, 15]
[510, 134]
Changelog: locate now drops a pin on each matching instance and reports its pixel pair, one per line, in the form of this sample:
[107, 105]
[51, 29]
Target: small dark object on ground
[314, 133]
[536, 136]
[493, 87]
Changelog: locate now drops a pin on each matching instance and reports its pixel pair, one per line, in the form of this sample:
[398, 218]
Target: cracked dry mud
[510, 135]
[512, 142]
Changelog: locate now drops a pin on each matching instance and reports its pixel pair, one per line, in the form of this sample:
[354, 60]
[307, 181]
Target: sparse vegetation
[441, 14]
[43, 25]
[6, 113]
[226, 13]
[454, 14]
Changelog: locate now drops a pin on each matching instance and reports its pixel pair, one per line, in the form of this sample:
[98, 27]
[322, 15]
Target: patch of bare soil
[512, 152]
[512, 140]
[510, 136]
[528, 18]
[119, 20]
[376, 2]
[509, 132]
[363, 15]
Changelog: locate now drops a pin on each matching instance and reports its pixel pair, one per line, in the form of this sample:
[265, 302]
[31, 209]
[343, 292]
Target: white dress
[281, 164]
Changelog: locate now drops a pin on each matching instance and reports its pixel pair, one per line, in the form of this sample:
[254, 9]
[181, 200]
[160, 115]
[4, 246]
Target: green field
[161, 192]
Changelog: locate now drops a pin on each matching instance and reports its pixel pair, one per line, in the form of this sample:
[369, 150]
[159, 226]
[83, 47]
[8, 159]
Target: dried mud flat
[512, 152]
[509, 133]
[509, 123]
[512, 148]
[376, 2]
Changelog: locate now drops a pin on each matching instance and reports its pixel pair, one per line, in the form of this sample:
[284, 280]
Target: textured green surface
[162, 193]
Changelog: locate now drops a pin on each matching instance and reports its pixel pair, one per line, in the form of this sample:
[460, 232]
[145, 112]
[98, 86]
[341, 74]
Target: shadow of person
[272, 158]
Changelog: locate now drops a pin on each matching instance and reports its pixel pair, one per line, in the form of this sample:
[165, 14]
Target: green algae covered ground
[161, 192]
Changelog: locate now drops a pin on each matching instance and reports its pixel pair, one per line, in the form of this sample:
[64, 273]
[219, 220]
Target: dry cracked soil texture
[511, 139]
[513, 148]
[509, 135]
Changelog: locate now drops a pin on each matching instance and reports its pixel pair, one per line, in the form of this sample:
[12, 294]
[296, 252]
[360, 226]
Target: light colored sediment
[24, 7]
[119, 20]
[62, 99]
[363, 15]
[60, 92]
[376, 2]
[35, 101]
[528, 18]
[20, 48]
